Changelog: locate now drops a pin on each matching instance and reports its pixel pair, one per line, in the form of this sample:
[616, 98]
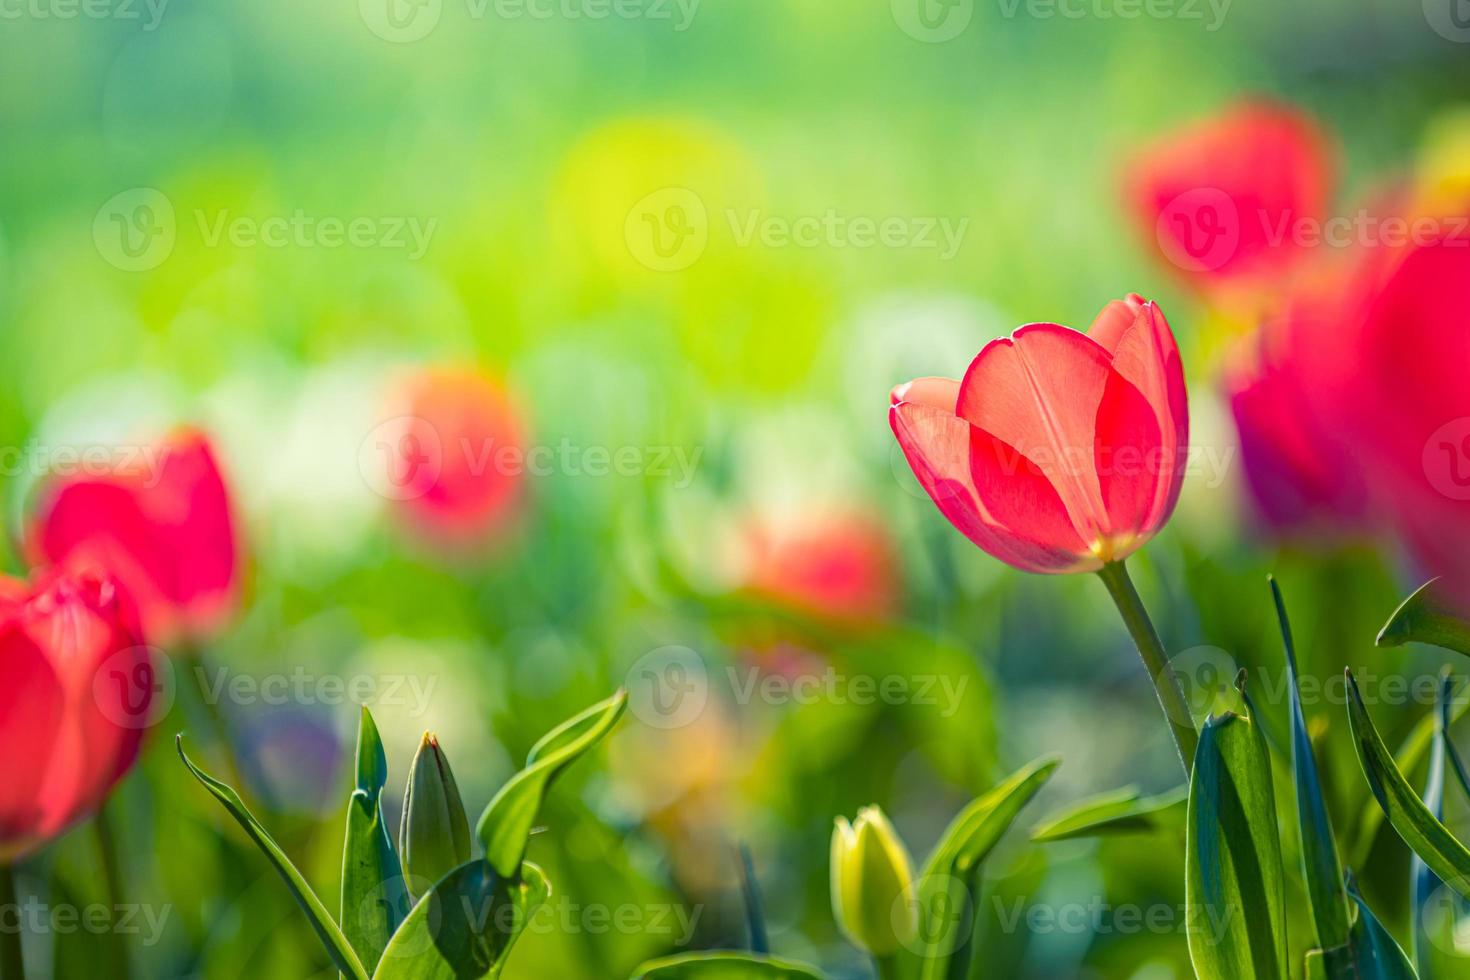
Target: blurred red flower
[1059, 450]
[1368, 372]
[833, 565]
[74, 705]
[457, 463]
[1224, 201]
[163, 528]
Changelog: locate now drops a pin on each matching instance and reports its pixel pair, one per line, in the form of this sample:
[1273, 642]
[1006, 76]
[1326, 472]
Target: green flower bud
[434, 837]
[871, 874]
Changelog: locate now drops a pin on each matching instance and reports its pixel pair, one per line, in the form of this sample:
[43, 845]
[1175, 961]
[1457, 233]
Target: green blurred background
[525, 149]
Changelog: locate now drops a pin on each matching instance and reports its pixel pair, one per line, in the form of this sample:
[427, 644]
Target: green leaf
[338, 948]
[1406, 812]
[1234, 883]
[506, 822]
[948, 888]
[1428, 616]
[1410, 753]
[1123, 811]
[724, 966]
[465, 927]
[374, 896]
[1377, 955]
[1320, 864]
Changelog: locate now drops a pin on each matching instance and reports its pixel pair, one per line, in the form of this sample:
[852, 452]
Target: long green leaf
[1428, 616]
[1406, 812]
[724, 966]
[465, 926]
[949, 886]
[1320, 864]
[1234, 883]
[337, 946]
[1124, 811]
[374, 897]
[506, 822]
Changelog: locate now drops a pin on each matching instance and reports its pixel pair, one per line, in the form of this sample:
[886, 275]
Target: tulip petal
[1038, 391]
[1146, 355]
[941, 393]
[1130, 464]
[32, 704]
[945, 453]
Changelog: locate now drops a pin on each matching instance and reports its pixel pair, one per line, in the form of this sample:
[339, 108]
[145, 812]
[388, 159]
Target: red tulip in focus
[163, 528]
[74, 705]
[1059, 451]
[456, 463]
[834, 566]
[1224, 200]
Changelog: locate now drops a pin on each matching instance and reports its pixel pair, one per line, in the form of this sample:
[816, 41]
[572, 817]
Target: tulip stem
[112, 877]
[12, 965]
[1155, 659]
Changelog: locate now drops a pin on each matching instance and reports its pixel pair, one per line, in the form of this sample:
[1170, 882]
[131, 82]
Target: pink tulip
[78, 686]
[458, 463]
[839, 566]
[1233, 202]
[1059, 451]
[165, 531]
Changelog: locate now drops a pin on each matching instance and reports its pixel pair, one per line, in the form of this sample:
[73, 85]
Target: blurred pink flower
[1221, 199]
[1059, 451]
[78, 686]
[164, 529]
[459, 460]
[837, 565]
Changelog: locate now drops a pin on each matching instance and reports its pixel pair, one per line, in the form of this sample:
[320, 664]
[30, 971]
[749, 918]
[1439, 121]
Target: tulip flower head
[164, 530]
[457, 465]
[74, 705]
[434, 837]
[1058, 451]
[836, 565]
[871, 878]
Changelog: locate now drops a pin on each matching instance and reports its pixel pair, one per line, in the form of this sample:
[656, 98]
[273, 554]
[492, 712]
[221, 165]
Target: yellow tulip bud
[871, 874]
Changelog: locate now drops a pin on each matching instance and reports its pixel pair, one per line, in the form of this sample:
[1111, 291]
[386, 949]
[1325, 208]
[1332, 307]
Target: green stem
[12, 965]
[1155, 659]
[112, 879]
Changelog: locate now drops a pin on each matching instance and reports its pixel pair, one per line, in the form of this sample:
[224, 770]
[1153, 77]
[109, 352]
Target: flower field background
[474, 361]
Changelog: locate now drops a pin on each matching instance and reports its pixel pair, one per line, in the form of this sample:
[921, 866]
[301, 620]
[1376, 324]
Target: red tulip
[164, 531]
[78, 686]
[838, 566]
[1222, 200]
[1059, 451]
[456, 462]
